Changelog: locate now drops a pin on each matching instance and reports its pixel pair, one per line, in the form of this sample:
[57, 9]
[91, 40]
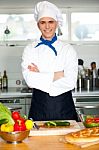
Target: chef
[50, 67]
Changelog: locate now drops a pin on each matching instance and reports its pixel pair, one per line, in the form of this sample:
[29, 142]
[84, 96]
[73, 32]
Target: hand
[33, 67]
[58, 75]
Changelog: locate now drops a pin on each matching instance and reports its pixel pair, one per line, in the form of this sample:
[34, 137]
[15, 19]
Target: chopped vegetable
[90, 125]
[91, 121]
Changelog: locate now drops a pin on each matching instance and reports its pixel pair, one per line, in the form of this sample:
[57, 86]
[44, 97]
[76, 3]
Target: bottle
[94, 78]
[0, 81]
[88, 84]
[87, 80]
[5, 80]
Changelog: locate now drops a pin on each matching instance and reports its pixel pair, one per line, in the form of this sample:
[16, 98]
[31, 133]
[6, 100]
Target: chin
[48, 36]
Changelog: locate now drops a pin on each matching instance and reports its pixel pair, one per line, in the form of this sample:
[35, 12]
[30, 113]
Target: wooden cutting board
[83, 145]
[74, 126]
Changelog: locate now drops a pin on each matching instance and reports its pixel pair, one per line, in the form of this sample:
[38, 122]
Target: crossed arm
[57, 75]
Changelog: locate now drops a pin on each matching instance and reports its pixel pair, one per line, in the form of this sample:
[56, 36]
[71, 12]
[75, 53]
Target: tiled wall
[10, 60]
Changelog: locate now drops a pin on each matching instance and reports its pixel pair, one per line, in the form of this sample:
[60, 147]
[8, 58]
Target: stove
[26, 90]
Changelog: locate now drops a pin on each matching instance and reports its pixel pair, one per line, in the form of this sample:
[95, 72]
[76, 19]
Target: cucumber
[3, 121]
[51, 123]
[62, 123]
[56, 123]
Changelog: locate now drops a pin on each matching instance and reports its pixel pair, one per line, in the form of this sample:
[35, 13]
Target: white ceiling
[60, 3]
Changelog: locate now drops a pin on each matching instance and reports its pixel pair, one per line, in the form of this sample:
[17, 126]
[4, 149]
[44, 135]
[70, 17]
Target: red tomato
[15, 115]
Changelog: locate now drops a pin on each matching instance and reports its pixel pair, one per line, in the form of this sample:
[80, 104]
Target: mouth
[47, 32]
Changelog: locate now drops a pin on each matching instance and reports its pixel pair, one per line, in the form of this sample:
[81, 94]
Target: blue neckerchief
[48, 43]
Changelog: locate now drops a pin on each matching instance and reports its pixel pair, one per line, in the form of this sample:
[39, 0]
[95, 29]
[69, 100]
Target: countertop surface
[85, 93]
[16, 92]
[44, 143]
[47, 142]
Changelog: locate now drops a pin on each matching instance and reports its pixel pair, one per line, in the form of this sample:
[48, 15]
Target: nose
[47, 25]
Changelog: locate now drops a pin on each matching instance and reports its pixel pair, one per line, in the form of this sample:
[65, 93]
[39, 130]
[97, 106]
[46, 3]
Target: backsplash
[10, 60]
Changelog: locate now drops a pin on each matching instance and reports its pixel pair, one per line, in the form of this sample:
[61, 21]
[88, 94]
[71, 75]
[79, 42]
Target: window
[84, 26]
[24, 27]
[77, 27]
[20, 27]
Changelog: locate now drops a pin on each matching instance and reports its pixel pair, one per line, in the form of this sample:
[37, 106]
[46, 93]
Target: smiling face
[47, 27]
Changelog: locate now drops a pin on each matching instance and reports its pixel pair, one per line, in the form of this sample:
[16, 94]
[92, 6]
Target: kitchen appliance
[18, 104]
[27, 105]
[14, 104]
[26, 90]
[87, 105]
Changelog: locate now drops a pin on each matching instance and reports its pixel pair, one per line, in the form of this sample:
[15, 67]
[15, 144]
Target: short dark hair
[93, 63]
[80, 62]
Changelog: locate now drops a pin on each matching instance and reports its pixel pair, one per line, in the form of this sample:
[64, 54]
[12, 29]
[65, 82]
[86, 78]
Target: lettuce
[5, 113]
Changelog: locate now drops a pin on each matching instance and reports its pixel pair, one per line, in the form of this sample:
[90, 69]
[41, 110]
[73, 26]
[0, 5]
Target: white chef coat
[48, 63]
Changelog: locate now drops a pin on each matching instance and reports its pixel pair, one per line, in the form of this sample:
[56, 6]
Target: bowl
[90, 121]
[14, 137]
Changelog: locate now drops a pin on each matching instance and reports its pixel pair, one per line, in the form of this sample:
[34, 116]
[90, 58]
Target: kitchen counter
[16, 92]
[13, 92]
[44, 143]
[85, 93]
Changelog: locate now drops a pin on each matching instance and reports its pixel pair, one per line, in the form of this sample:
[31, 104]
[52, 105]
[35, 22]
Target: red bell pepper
[20, 125]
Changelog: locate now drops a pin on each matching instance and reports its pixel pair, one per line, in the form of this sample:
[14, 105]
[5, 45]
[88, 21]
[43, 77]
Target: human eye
[51, 22]
[42, 22]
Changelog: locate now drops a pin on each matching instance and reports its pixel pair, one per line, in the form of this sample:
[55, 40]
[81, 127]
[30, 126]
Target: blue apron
[45, 107]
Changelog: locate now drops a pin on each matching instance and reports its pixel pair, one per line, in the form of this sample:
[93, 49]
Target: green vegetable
[5, 113]
[89, 116]
[4, 108]
[3, 121]
[90, 125]
[86, 117]
[57, 123]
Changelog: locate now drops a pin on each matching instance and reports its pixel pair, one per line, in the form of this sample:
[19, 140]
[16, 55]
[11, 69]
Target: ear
[38, 25]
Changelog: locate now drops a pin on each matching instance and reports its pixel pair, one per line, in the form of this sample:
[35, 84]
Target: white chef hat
[47, 9]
